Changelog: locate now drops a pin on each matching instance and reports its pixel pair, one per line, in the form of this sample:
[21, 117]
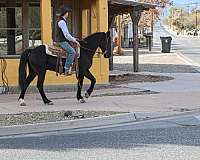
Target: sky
[182, 3]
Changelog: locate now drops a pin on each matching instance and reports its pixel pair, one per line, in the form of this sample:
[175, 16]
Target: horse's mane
[92, 35]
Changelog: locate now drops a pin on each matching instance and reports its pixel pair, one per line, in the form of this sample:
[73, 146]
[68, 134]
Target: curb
[141, 121]
[66, 125]
[180, 119]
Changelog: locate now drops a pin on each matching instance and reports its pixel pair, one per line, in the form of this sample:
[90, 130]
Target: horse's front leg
[80, 85]
[93, 82]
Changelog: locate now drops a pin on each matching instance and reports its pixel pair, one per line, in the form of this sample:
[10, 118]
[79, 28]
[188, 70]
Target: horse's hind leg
[29, 79]
[93, 81]
[40, 82]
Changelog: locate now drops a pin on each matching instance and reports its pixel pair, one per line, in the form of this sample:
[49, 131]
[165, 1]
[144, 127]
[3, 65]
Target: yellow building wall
[51, 78]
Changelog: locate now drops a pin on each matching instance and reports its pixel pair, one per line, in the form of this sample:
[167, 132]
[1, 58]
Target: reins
[91, 50]
[99, 52]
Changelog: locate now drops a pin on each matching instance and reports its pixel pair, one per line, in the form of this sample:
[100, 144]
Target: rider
[63, 37]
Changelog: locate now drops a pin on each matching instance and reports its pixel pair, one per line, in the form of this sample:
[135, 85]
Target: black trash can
[166, 44]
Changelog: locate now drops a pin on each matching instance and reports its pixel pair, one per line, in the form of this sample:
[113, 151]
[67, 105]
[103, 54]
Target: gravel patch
[50, 116]
[130, 78]
[145, 92]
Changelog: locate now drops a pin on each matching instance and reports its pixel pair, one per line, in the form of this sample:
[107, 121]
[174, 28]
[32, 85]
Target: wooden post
[93, 11]
[25, 26]
[46, 20]
[119, 35]
[102, 22]
[76, 18]
[85, 19]
[111, 27]
[135, 15]
[55, 16]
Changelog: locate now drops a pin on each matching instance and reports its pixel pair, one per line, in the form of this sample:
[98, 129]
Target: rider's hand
[78, 44]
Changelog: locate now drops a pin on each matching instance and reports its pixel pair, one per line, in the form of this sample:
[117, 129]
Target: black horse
[39, 62]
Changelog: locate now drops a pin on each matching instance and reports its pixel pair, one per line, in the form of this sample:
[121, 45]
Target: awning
[117, 7]
[134, 8]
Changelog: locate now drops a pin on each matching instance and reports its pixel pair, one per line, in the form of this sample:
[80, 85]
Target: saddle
[55, 50]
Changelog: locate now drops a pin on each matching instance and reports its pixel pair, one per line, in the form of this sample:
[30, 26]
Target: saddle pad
[55, 50]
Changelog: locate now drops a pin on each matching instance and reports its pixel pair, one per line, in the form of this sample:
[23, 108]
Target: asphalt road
[188, 46]
[158, 141]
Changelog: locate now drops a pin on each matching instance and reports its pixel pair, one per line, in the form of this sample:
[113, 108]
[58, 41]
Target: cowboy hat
[64, 9]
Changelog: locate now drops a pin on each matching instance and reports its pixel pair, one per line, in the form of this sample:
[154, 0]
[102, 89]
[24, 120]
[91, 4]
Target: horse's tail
[22, 68]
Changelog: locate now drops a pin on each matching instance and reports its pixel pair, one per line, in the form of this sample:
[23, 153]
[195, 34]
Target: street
[156, 140]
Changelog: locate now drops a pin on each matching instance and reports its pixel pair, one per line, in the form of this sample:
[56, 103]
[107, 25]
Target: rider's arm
[65, 31]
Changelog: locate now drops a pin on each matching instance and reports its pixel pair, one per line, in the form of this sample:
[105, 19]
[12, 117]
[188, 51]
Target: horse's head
[95, 40]
[105, 44]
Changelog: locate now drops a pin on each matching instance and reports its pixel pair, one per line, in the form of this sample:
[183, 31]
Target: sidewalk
[154, 61]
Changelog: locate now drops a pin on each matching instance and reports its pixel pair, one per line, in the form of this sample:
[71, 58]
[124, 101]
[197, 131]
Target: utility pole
[182, 20]
[196, 17]
[171, 13]
[188, 6]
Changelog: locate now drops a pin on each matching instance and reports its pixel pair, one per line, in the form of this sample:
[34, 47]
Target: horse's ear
[108, 34]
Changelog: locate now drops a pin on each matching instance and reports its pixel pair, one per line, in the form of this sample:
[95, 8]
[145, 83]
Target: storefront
[29, 23]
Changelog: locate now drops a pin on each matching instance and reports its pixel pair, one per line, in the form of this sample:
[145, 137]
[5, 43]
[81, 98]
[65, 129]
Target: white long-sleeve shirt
[65, 30]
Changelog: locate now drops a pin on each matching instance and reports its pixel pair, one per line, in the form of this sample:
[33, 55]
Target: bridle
[99, 52]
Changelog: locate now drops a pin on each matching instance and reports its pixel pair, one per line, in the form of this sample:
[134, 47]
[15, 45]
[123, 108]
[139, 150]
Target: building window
[19, 27]
[10, 29]
[34, 26]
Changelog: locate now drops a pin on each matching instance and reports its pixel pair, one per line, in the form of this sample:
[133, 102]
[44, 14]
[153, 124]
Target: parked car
[198, 33]
[193, 32]
[190, 32]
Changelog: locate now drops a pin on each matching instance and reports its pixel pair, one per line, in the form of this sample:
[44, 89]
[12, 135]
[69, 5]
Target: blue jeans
[71, 54]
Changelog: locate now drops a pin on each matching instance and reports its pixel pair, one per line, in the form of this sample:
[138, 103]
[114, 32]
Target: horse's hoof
[49, 103]
[82, 100]
[87, 95]
[22, 102]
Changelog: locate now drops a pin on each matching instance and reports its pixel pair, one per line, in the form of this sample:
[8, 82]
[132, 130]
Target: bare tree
[152, 15]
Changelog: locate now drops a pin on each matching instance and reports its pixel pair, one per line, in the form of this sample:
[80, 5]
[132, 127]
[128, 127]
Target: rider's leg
[71, 54]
